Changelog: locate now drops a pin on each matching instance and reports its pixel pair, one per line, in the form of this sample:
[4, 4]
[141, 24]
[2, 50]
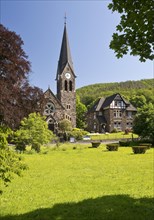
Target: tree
[135, 30]
[65, 127]
[80, 113]
[33, 131]
[78, 133]
[144, 122]
[10, 162]
[17, 97]
[138, 101]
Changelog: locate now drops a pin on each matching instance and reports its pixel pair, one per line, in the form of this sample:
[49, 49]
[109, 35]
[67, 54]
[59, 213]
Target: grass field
[82, 184]
[108, 136]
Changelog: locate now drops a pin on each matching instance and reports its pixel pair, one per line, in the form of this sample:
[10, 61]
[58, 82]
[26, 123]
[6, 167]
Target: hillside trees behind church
[137, 92]
[80, 113]
[17, 97]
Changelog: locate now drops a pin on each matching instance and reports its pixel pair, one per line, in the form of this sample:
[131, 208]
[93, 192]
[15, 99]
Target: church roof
[47, 94]
[65, 54]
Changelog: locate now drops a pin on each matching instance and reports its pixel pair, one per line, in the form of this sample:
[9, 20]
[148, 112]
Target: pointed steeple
[65, 54]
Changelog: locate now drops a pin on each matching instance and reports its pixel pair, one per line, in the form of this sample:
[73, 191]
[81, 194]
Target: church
[107, 114]
[63, 105]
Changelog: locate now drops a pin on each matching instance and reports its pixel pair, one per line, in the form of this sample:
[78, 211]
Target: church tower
[66, 80]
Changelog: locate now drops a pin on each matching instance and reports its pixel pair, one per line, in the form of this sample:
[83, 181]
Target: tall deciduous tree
[144, 122]
[135, 30]
[80, 113]
[138, 101]
[17, 97]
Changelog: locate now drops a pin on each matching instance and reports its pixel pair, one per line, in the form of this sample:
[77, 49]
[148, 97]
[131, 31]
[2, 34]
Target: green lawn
[82, 184]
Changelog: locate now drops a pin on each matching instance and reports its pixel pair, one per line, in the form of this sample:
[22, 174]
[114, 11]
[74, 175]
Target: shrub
[112, 147]
[3, 141]
[148, 145]
[114, 130]
[33, 131]
[139, 149]
[95, 144]
[78, 133]
[10, 164]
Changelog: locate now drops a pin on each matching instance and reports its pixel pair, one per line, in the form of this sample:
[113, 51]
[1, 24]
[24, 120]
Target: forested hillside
[131, 90]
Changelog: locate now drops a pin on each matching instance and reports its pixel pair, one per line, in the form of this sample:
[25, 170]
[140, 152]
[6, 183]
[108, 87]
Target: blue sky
[90, 26]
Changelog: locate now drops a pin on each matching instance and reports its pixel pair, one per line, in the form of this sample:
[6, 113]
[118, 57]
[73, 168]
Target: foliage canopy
[135, 30]
[17, 97]
[10, 162]
[144, 122]
[141, 90]
[80, 113]
[33, 131]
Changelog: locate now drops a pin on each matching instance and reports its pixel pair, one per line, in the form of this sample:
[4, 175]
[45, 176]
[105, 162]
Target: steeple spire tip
[65, 18]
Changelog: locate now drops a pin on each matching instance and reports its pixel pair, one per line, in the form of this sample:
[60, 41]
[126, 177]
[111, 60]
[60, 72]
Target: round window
[49, 108]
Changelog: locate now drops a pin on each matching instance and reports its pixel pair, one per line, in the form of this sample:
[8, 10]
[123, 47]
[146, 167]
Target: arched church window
[70, 85]
[49, 108]
[65, 85]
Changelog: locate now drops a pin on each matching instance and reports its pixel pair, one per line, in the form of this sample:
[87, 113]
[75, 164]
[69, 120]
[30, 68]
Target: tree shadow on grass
[114, 207]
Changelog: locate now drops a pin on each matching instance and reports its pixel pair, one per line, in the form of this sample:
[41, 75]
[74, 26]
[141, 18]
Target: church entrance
[51, 127]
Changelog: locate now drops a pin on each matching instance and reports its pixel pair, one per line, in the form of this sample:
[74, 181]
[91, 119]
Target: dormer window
[117, 104]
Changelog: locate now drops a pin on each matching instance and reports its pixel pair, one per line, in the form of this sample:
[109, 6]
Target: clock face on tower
[67, 75]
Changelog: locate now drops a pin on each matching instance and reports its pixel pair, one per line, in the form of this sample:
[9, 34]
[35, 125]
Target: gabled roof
[100, 103]
[108, 100]
[131, 108]
[65, 54]
[50, 117]
[97, 106]
[55, 98]
[103, 103]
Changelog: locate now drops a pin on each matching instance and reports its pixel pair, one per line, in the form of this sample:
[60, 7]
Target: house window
[117, 125]
[117, 104]
[94, 115]
[129, 114]
[49, 108]
[100, 113]
[129, 125]
[117, 114]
